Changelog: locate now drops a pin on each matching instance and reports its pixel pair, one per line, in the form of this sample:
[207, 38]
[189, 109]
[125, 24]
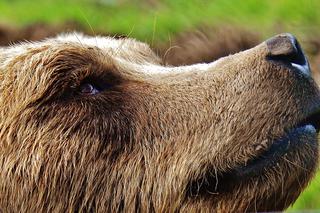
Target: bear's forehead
[130, 54]
[109, 44]
[126, 49]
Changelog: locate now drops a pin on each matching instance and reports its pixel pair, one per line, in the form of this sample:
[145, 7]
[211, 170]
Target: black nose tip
[285, 48]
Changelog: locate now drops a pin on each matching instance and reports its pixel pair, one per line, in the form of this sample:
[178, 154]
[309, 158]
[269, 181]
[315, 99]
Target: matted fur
[144, 141]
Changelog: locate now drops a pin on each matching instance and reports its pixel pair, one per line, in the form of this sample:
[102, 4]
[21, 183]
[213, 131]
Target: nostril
[286, 49]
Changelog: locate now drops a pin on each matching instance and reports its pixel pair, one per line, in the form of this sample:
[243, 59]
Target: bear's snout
[285, 48]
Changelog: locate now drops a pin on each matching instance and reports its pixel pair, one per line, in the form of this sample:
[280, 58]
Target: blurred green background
[155, 21]
[159, 19]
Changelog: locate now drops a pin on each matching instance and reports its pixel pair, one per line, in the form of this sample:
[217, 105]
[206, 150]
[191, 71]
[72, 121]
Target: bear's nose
[286, 49]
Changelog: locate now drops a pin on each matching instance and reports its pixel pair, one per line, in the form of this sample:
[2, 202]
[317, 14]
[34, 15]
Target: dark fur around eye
[92, 86]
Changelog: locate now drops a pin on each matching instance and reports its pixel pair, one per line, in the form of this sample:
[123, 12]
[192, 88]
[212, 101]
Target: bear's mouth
[289, 143]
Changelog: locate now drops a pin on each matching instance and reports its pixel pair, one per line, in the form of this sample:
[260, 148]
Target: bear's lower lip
[279, 148]
[308, 127]
[303, 134]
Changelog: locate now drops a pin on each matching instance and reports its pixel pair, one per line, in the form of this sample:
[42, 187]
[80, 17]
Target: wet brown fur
[138, 145]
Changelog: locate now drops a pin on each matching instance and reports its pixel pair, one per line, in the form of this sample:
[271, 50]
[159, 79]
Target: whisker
[88, 23]
[79, 40]
[294, 164]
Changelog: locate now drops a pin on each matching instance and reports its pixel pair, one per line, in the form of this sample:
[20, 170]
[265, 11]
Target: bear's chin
[290, 144]
[287, 152]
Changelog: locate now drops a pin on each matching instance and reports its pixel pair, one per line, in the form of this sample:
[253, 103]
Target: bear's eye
[93, 85]
[89, 89]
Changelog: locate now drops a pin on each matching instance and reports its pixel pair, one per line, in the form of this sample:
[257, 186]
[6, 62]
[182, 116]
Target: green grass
[159, 22]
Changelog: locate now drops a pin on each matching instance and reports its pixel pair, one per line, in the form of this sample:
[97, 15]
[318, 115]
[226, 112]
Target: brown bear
[98, 124]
